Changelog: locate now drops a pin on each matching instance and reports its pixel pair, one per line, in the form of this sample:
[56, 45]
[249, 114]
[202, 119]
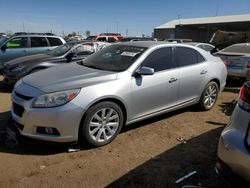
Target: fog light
[48, 131]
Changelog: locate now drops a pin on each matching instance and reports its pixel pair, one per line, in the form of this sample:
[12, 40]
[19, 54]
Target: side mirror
[145, 71]
[3, 48]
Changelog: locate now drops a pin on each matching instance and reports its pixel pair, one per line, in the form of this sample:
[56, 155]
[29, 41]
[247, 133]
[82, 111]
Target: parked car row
[100, 87]
[66, 53]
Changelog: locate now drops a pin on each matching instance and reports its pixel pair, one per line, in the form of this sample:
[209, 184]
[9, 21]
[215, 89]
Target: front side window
[114, 58]
[102, 39]
[187, 56]
[111, 39]
[38, 42]
[18, 42]
[160, 59]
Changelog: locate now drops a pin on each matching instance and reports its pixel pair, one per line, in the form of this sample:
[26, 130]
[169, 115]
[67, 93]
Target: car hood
[66, 77]
[23, 61]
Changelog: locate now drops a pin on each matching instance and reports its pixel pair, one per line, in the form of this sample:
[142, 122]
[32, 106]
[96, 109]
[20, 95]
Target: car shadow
[197, 154]
[228, 107]
[26, 146]
[158, 118]
[12, 142]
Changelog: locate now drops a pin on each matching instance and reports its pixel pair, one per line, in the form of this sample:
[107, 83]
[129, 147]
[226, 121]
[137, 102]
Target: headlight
[55, 99]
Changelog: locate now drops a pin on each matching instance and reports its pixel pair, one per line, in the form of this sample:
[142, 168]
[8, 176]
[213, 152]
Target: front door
[153, 93]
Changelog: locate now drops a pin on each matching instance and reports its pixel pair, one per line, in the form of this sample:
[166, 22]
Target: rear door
[152, 93]
[38, 45]
[14, 48]
[193, 73]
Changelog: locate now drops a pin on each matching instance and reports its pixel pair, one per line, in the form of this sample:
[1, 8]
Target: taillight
[244, 98]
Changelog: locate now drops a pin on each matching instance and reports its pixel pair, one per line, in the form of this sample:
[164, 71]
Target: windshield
[61, 50]
[114, 58]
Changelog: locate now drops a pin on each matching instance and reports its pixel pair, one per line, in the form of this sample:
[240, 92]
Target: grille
[18, 109]
[23, 96]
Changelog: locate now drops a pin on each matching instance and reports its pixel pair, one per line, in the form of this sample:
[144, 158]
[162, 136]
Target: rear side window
[160, 59]
[187, 56]
[38, 42]
[101, 39]
[111, 39]
[54, 41]
[18, 42]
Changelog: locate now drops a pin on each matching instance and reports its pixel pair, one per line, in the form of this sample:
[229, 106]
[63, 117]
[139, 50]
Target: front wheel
[102, 123]
[209, 96]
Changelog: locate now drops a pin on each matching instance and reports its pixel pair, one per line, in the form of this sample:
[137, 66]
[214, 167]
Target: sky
[131, 17]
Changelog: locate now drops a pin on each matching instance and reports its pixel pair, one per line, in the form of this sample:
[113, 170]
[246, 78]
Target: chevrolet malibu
[89, 101]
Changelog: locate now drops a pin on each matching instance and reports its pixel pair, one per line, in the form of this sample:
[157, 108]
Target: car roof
[146, 44]
[197, 43]
[33, 35]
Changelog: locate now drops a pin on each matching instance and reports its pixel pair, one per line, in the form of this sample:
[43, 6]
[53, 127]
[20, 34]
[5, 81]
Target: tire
[209, 96]
[101, 124]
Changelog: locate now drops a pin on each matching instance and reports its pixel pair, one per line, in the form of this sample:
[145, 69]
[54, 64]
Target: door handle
[172, 80]
[203, 72]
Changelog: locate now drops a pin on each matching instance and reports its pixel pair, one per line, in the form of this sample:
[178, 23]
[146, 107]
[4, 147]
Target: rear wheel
[102, 123]
[209, 96]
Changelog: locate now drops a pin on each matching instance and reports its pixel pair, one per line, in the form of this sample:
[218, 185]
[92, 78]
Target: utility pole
[23, 27]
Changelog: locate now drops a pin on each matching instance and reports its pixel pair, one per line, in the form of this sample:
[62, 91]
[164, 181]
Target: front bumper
[232, 150]
[65, 119]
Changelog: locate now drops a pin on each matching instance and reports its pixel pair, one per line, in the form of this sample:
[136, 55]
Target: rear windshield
[114, 58]
[238, 48]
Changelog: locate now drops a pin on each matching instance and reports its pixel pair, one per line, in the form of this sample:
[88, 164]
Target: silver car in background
[237, 59]
[90, 101]
[234, 144]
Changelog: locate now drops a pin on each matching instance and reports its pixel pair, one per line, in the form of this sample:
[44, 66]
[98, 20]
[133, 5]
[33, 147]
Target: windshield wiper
[91, 66]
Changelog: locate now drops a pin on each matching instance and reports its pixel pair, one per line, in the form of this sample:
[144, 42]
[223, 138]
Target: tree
[87, 33]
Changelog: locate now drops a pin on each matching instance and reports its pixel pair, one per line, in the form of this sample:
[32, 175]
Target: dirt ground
[145, 154]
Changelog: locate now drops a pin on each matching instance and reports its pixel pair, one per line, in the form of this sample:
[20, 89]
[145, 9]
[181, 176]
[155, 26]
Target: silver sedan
[234, 144]
[90, 101]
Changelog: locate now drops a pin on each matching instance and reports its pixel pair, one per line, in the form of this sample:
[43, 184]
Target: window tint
[101, 39]
[54, 41]
[187, 56]
[205, 47]
[38, 42]
[18, 42]
[160, 59]
[111, 39]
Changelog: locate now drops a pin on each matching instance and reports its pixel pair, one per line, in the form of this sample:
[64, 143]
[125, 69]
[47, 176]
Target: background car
[132, 39]
[90, 101]
[205, 46]
[69, 52]
[234, 144]
[237, 59]
[108, 38]
[27, 44]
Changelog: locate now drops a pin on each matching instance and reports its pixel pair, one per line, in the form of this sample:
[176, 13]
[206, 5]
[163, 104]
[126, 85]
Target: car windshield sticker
[130, 54]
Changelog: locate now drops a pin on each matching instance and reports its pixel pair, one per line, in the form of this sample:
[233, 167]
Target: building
[201, 29]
